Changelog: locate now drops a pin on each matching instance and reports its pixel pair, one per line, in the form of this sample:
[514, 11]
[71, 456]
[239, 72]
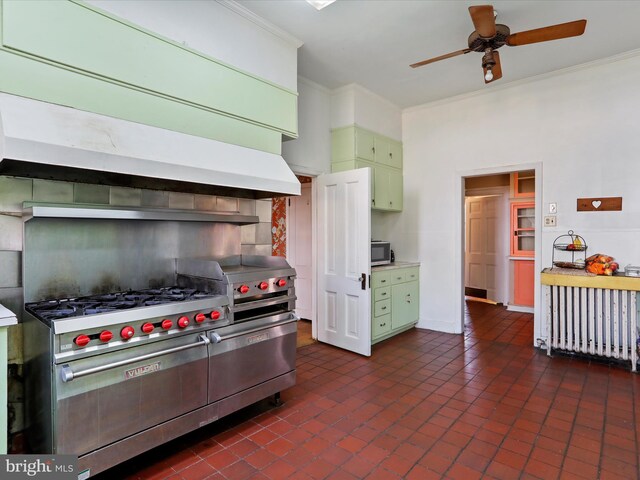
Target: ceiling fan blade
[544, 34]
[484, 20]
[441, 57]
[496, 70]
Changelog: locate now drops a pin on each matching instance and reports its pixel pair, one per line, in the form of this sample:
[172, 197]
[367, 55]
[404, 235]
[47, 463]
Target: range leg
[276, 399]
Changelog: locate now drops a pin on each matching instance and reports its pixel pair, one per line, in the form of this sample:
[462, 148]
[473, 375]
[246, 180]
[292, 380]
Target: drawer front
[380, 279]
[381, 325]
[398, 276]
[383, 307]
[412, 274]
[382, 293]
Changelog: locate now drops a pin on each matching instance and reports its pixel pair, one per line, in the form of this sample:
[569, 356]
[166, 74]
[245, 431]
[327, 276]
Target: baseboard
[439, 326]
[519, 308]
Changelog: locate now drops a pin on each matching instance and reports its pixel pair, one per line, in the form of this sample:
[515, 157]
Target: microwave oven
[380, 252]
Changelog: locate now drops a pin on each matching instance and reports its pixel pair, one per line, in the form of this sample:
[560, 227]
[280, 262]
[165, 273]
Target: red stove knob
[215, 315]
[147, 327]
[282, 282]
[105, 336]
[200, 317]
[127, 332]
[183, 322]
[81, 340]
[166, 324]
[243, 289]
[263, 285]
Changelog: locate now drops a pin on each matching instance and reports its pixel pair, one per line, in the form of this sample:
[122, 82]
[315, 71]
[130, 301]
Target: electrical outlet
[553, 208]
[550, 221]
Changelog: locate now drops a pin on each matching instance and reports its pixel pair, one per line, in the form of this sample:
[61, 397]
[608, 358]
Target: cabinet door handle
[384, 308]
[373, 149]
[383, 281]
[383, 294]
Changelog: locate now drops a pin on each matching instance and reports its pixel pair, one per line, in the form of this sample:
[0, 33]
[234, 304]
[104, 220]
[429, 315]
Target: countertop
[394, 265]
[7, 317]
[614, 282]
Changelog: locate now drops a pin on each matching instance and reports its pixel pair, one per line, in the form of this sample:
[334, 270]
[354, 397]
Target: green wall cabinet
[388, 189]
[354, 147]
[395, 298]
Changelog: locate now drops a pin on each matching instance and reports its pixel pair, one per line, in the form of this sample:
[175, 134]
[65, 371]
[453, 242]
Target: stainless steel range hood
[43, 140]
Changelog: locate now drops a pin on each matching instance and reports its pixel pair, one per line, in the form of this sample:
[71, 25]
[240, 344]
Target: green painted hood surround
[50, 141]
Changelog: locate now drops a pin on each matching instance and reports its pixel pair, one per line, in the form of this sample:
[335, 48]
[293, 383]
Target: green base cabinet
[404, 304]
[354, 147]
[395, 297]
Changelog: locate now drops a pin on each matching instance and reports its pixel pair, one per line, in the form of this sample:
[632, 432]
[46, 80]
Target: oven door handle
[217, 338]
[67, 374]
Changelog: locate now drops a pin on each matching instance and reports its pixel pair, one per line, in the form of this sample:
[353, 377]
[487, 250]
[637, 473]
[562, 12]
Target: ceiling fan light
[489, 75]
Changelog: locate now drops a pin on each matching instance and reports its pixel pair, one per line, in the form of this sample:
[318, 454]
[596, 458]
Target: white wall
[580, 128]
[224, 30]
[353, 104]
[310, 153]
[320, 110]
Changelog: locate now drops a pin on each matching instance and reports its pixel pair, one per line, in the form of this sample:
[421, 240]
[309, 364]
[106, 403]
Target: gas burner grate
[59, 313]
[111, 302]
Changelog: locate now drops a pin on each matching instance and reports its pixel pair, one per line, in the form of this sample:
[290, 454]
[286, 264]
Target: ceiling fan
[489, 36]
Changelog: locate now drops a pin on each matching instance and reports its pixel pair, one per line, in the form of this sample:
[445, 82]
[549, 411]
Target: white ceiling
[372, 42]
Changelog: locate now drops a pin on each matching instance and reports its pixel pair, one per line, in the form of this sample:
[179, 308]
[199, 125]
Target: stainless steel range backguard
[256, 286]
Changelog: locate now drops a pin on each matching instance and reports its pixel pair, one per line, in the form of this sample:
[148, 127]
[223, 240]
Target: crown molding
[524, 81]
[361, 89]
[312, 84]
[261, 22]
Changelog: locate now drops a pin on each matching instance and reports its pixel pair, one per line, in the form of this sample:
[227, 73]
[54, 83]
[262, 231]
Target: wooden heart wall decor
[600, 204]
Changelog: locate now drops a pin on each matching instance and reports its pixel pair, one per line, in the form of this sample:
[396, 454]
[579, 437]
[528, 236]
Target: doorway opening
[499, 239]
[300, 252]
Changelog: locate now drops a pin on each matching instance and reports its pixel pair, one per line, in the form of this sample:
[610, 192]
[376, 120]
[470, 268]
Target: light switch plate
[550, 221]
[553, 207]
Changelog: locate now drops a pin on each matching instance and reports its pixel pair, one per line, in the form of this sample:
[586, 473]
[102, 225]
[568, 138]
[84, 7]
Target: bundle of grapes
[601, 264]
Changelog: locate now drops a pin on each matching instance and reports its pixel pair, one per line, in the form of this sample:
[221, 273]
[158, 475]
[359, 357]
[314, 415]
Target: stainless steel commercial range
[261, 296]
[113, 374]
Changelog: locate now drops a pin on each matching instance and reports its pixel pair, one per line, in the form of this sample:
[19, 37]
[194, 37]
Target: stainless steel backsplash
[136, 242]
[76, 257]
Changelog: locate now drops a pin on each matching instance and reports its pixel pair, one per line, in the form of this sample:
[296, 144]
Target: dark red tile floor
[426, 405]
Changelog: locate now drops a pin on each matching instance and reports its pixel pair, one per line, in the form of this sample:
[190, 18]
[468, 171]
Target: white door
[344, 260]
[299, 250]
[484, 255]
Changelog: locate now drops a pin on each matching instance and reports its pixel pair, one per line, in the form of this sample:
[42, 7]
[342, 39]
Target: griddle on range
[112, 302]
